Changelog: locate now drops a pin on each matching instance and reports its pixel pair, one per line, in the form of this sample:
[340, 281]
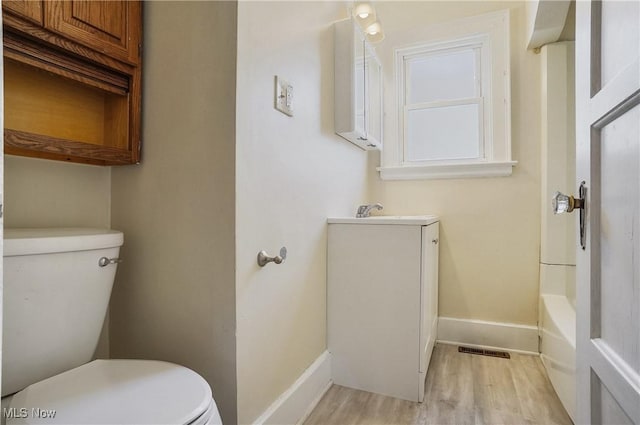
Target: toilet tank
[55, 300]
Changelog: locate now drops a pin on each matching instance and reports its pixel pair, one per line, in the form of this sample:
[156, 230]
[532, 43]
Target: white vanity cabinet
[382, 302]
[358, 87]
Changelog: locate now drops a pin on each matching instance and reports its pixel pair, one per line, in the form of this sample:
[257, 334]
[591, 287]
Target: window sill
[447, 171]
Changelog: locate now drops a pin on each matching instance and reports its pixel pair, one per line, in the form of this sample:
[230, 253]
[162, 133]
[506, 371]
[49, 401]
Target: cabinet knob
[436, 240]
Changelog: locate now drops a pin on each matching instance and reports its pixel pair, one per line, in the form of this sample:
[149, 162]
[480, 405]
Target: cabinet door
[110, 27]
[373, 307]
[28, 9]
[429, 293]
[360, 79]
[373, 97]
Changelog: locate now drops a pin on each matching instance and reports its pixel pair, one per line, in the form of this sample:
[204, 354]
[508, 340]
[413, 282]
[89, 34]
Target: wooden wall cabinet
[73, 80]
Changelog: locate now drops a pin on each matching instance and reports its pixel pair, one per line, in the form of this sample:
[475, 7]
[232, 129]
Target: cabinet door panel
[28, 9]
[373, 305]
[429, 293]
[110, 27]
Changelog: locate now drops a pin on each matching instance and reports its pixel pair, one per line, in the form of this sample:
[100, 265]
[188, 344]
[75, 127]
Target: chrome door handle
[104, 261]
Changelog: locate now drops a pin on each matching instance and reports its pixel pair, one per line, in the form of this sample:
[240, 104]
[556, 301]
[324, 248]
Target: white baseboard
[296, 403]
[494, 335]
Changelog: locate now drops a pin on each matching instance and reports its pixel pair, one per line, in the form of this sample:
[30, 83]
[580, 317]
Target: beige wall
[174, 296]
[42, 193]
[490, 228]
[292, 173]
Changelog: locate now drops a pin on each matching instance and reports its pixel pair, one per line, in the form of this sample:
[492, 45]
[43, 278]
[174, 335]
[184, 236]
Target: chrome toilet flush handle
[264, 258]
[104, 261]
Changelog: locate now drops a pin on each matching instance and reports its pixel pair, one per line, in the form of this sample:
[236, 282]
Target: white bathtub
[558, 347]
[557, 316]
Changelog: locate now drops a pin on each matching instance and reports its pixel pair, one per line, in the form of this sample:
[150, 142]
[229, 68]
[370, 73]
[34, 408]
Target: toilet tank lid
[32, 241]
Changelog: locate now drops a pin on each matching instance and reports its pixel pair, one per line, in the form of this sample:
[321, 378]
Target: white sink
[419, 220]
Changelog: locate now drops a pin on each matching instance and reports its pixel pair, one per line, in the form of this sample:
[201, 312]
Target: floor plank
[461, 389]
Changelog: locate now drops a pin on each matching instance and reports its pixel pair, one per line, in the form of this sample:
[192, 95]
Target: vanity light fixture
[363, 9]
[365, 15]
[374, 32]
[374, 28]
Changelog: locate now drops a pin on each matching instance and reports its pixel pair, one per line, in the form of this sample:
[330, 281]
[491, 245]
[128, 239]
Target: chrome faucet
[365, 210]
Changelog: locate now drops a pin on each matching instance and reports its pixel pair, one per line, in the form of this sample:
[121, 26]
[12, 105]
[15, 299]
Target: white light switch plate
[284, 96]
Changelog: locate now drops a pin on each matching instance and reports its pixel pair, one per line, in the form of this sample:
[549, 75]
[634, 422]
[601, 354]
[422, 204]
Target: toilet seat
[118, 392]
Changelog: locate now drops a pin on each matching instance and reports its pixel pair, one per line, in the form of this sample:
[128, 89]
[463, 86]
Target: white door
[608, 160]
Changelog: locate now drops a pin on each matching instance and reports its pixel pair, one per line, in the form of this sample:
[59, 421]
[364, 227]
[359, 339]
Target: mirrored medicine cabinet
[358, 87]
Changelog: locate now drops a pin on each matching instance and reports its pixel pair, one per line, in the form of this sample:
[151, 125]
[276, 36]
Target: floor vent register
[483, 352]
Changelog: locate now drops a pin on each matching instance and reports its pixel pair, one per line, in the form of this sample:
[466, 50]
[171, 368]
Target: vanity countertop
[413, 220]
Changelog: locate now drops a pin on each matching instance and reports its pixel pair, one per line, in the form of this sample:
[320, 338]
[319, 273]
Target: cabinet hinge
[139, 151]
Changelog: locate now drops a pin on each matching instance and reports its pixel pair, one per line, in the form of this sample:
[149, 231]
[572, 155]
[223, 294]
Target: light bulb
[374, 28]
[375, 38]
[364, 13]
[363, 10]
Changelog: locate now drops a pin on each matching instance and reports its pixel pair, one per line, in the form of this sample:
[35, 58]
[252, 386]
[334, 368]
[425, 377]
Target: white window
[453, 104]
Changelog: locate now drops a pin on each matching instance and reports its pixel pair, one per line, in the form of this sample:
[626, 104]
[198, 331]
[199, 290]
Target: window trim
[490, 33]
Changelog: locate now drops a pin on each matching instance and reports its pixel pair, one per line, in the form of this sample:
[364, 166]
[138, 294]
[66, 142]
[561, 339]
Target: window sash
[479, 101]
[442, 51]
[479, 79]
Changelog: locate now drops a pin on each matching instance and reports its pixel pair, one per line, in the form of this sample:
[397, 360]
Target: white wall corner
[495, 335]
[296, 403]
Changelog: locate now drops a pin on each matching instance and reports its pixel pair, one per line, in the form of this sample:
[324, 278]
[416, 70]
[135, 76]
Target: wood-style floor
[460, 389]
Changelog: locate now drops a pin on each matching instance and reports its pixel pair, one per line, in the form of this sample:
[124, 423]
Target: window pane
[449, 132]
[445, 76]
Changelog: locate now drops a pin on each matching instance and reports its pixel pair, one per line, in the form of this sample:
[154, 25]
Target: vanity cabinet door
[429, 293]
[110, 27]
[27, 9]
[382, 306]
[373, 307]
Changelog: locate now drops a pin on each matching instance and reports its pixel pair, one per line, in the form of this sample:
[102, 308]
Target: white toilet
[57, 284]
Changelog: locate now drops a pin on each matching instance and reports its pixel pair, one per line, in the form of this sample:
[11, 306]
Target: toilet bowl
[57, 285]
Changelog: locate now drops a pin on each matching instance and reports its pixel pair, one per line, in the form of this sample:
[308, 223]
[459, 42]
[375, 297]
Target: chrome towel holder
[264, 258]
